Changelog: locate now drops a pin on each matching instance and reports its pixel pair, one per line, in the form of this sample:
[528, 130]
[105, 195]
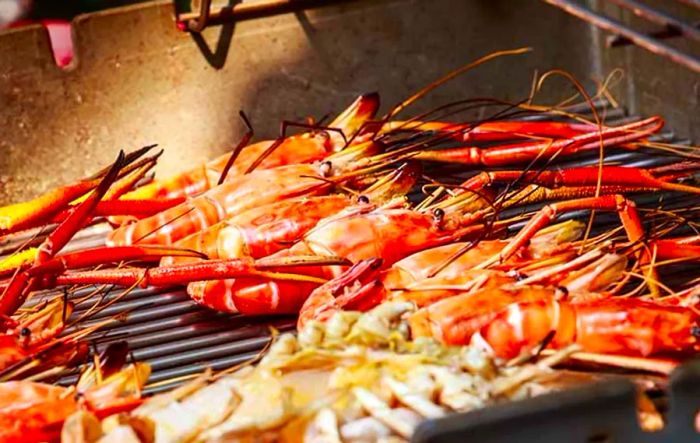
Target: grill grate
[179, 339]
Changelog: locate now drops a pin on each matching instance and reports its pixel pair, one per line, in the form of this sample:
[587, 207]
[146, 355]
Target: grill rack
[624, 35]
[180, 339]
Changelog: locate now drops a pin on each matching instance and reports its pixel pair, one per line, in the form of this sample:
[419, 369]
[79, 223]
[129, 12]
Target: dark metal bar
[207, 344]
[614, 41]
[119, 330]
[692, 3]
[112, 293]
[196, 22]
[204, 334]
[167, 312]
[215, 364]
[583, 109]
[660, 18]
[636, 37]
[176, 328]
[197, 329]
[204, 354]
[136, 304]
[34, 236]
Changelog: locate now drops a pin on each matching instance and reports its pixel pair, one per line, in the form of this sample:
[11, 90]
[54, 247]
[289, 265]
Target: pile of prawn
[327, 224]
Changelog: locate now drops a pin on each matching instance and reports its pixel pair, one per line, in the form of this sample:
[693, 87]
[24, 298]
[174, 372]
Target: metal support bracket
[197, 22]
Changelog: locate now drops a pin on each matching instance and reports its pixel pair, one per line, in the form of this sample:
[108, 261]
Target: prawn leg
[625, 208]
[677, 248]
[138, 208]
[180, 273]
[356, 286]
[109, 205]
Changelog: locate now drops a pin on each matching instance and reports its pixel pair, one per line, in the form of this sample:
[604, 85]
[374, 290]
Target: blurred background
[14, 10]
[55, 16]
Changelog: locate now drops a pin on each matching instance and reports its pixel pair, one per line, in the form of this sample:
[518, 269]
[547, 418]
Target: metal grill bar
[694, 3]
[638, 38]
[654, 16]
[616, 40]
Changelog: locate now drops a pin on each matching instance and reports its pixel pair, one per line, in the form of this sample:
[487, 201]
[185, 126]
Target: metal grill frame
[166, 328]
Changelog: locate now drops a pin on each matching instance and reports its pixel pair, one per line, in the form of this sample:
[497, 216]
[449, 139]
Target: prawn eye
[363, 199]
[519, 276]
[326, 168]
[438, 214]
[25, 332]
[695, 331]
